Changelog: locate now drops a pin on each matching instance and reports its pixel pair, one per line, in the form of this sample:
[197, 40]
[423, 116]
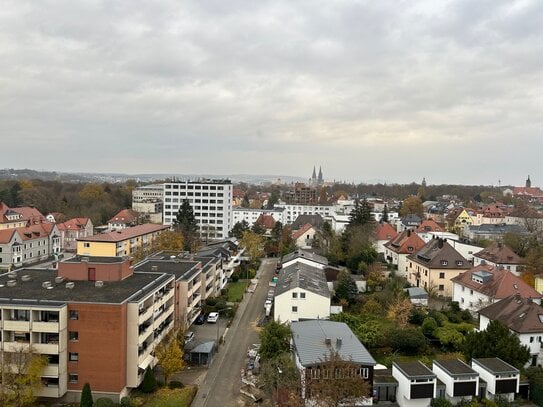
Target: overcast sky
[371, 90]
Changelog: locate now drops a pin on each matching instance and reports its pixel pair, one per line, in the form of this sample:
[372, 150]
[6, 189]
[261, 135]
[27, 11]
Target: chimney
[408, 232]
[440, 243]
[327, 341]
[338, 342]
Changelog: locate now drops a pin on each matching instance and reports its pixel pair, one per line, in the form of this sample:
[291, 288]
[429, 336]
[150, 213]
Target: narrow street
[223, 380]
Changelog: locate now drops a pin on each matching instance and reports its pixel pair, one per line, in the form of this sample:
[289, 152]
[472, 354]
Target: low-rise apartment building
[74, 229]
[250, 215]
[123, 242]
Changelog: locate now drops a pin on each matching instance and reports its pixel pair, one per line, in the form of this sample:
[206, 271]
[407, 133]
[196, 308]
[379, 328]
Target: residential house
[523, 317]
[122, 220]
[397, 249]
[26, 245]
[500, 377]
[312, 344]
[499, 255]
[305, 236]
[416, 384]
[101, 332]
[417, 296]
[11, 218]
[486, 284]
[305, 257]
[301, 293]
[429, 227]
[125, 242]
[383, 234]
[411, 222]
[73, 229]
[461, 221]
[314, 220]
[148, 200]
[434, 266]
[292, 211]
[250, 215]
[266, 222]
[461, 381]
[493, 232]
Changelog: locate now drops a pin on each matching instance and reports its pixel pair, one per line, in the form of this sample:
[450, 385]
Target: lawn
[172, 397]
[236, 290]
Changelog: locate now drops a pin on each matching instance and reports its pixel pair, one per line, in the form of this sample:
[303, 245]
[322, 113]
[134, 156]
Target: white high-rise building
[211, 201]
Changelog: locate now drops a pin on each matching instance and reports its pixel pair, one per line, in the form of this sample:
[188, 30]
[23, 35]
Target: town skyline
[445, 91]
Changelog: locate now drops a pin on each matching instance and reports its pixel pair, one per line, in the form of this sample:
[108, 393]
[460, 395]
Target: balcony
[21, 326]
[50, 348]
[50, 370]
[15, 346]
[146, 314]
[49, 390]
[40, 326]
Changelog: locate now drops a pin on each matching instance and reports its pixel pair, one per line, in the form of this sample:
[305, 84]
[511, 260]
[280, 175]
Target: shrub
[149, 383]
[439, 317]
[126, 402]
[175, 385]
[417, 316]
[408, 340]
[429, 325]
[235, 277]
[440, 402]
[211, 301]
[86, 396]
[104, 402]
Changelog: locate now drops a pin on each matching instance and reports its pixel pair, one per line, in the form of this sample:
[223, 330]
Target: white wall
[404, 390]
[304, 260]
[313, 306]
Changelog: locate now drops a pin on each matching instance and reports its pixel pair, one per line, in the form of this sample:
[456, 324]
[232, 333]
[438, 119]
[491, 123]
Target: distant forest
[100, 201]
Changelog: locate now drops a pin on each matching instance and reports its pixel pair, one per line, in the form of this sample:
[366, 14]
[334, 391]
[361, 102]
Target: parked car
[189, 336]
[200, 319]
[212, 317]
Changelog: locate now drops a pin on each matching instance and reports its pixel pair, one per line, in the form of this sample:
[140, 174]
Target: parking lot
[206, 332]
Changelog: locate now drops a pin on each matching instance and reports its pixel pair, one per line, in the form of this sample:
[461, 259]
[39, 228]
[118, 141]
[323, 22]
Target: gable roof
[6, 235]
[439, 254]
[521, 315]
[301, 220]
[7, 211]
[303, 276]
[310, 342]
[300, 232]
[404, 241]
[498, 283]
[73, 224]
[124, 234]
[300, 253]
[499, 253]
[30, 214]
[125, 216]
[429, 225]
[383, 231]
[534, 192]
[411, 220]
[266, 221]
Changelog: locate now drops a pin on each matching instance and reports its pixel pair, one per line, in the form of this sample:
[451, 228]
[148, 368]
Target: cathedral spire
[528, 182]
[314, 176]
[320, 180]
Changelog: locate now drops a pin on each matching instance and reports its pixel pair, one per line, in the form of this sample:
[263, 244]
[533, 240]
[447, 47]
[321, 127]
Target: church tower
[320, 181]
[313, 179]
[528, 182]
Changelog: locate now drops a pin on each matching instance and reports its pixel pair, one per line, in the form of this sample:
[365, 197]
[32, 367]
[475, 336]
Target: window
[441, 287]
[444, 262]
[73, 377]
[294, 309]
[74, 315]
[74, 336]
[302, 295]
[531, 339]
[294, 295]
[86, 244]
[74, 357]
[441, 275]
[460, 263]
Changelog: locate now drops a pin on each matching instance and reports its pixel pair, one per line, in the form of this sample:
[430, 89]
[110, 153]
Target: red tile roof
[266, 221]
[501, 284]
[124, 234]
[429, 225]
[529, 192]
[498, 253]
[125, 216]
[301, 231]
[384, 231]
[30, 214]
[405, 241]
[73, 224]
[28, 232]
[6, 235]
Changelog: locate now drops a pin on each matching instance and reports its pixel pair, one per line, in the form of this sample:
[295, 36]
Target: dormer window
[410, 248]
[459, 263]
[444, 262]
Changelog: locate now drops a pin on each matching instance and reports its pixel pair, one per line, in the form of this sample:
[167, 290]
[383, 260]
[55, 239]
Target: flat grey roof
[112, 292]
[94, 259]
[309, 338]
[495, 365]
[456, 367]
[182, 269]
[414, 370]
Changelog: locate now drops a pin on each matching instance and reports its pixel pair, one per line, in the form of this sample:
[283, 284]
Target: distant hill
[18, 174]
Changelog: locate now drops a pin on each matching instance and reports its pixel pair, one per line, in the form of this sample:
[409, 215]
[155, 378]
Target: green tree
[274, 340]
[245, 202]
[496, 341]
[21, 371]
[407, 340]
[239, 228]
[149, 384]
[412, 206]
[429, 325]
[185, 222]
[170, 357]
[86, 396]
[384, 218]
[346, 287]
[361, 214]
[273, 199]
[280, 373]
